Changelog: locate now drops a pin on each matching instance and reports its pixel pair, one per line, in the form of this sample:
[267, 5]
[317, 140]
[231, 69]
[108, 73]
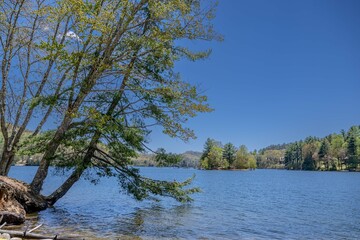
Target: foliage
[227, 157]
[229, 153]
[309, 163]
[210, 143]
[331, 153]
[309, 150]
[252, 162]
[270, 158]
[353, 152]
[102, 73]
[164, 159]
[215, 159]
[189, 159]
[293, 156]
[274, 147]
[244, 159]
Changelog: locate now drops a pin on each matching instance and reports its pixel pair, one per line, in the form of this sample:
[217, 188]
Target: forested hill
[272, 156]
[276, 147]
[189, 159]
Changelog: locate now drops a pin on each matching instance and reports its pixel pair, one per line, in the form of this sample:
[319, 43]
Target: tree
[288, 157]
[324, 153]
[354, 131]
[309, 150]
[338, 150]
[352, 152]
[209, 144]
[270, 158]
[251, 161]
[215, 159]
[164, 159]
[294, 156]
[229, 153]
[22, 40]
[104, 71]
[309, 163]
[212, 156]
[242, 158]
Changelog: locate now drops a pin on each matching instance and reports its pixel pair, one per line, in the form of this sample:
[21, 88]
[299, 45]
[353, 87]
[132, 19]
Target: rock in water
[17, 199]
[5, 236]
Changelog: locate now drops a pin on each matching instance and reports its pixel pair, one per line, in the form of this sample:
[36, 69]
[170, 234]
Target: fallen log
[27, 235]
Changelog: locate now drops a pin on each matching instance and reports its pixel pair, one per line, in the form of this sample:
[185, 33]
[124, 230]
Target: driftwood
[29, 235]
[26, 235]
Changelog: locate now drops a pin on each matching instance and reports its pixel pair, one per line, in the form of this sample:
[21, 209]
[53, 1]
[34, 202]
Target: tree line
[335, 152]
[218, 156]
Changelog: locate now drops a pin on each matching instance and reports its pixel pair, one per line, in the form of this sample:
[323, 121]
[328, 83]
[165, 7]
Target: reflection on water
[143, 223]
[152, 221]
[261, 204]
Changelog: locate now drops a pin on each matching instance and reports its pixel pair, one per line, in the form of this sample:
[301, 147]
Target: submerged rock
[17, 199]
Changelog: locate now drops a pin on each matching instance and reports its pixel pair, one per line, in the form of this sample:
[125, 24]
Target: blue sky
[286, 70]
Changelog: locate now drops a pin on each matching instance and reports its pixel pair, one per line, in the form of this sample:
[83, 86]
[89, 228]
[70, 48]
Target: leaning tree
[90, 78]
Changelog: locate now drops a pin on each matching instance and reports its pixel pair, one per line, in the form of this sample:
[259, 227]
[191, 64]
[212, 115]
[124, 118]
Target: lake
[261, 204]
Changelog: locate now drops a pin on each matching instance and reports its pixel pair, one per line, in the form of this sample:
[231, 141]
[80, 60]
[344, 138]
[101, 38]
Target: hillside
[190, 159]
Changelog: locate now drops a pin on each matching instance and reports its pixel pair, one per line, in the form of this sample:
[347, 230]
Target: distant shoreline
[230, 170]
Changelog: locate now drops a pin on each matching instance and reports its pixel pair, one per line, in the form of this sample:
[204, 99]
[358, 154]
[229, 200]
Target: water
[261, 204]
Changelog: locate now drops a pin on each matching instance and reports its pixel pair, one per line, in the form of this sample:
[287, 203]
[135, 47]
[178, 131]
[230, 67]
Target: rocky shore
[6, 236]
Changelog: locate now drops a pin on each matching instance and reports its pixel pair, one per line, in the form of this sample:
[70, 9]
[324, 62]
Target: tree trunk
[42, 171]
[3, 162]
[43, 168]
[7, 158]
[10, 162]
[75, 176]
[65, 187]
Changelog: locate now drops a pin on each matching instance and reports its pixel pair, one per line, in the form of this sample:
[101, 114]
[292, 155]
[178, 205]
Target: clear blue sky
[287, 69]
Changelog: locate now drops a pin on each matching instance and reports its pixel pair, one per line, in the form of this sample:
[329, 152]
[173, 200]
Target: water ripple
[261, 204]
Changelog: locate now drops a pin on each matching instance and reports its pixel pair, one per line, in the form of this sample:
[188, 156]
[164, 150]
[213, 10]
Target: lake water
[261, 204]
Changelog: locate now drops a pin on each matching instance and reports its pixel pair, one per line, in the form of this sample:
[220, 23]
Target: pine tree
[324, 152]
[309, 163]
[229, 153]
[207, 147]
[352, 151]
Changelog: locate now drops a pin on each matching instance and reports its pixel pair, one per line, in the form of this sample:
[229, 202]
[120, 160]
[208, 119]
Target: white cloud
[72, 35]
